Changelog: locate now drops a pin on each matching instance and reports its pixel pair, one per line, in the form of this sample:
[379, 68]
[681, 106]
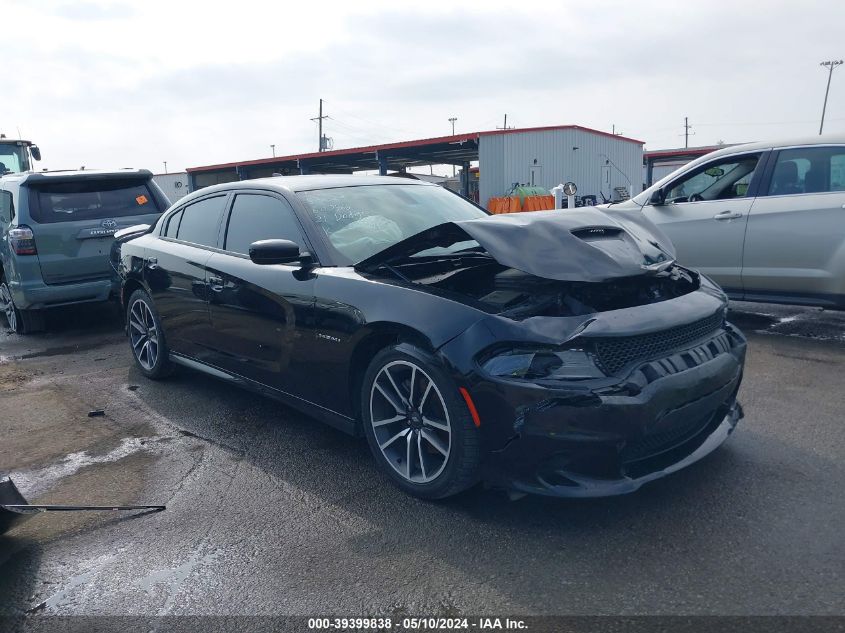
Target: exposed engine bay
[519, 295]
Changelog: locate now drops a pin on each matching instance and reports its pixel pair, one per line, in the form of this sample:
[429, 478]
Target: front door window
[726, 179]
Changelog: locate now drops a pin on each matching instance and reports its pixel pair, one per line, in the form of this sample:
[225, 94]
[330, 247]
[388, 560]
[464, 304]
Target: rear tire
[20, 321]
[146, 337]
[417, 425]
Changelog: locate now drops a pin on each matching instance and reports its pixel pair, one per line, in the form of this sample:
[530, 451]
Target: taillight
[22, 240]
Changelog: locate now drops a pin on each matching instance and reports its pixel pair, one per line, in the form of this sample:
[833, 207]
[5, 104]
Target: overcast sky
[111, 84]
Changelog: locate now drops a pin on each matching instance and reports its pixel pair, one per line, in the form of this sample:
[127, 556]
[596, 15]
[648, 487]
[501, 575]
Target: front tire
[417, 425]
[146, 337]
[20, 321]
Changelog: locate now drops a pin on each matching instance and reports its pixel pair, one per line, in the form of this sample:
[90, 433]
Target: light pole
[830, 66]
[165, 166]
[452, 120]
[273, 149]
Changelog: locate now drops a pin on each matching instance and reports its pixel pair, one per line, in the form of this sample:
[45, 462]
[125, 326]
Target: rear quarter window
[91, 200]
[173, 224]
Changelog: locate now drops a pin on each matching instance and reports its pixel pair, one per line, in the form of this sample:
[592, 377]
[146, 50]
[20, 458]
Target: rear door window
[201, 221]
[92, 200]
[808, 170]
[257, 217]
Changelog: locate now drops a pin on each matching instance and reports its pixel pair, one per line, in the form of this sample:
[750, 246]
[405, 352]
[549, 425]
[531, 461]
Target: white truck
[17, 155]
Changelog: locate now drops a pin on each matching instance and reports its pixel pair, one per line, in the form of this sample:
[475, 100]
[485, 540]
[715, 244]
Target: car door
[175, 272]
[704, 212]
[261, 314]
[796, 230]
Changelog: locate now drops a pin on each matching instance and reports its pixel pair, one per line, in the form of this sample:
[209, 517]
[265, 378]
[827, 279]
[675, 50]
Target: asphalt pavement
[271, 512]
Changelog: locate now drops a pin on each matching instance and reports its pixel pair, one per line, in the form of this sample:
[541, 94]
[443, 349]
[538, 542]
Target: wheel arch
[130, 285]
[378, 337]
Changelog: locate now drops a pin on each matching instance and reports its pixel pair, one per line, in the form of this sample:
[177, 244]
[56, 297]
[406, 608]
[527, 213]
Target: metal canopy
[450, 150]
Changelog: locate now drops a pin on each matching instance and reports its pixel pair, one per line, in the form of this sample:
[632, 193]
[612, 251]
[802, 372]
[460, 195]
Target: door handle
[216, 284]
[727, 215]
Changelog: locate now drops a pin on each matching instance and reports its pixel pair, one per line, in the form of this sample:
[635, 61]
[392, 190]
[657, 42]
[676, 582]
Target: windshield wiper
[443, 257]
[396, 272]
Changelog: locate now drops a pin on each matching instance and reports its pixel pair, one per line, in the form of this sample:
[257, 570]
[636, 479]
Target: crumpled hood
[585, 244]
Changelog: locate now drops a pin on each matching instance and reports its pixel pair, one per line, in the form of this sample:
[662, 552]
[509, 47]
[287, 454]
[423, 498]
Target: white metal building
[174, 185]
[597, 162]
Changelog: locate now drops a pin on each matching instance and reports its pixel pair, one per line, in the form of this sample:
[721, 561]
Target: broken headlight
[537, 364]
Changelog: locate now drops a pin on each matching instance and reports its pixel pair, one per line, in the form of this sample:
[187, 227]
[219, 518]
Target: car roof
[732, 150]
[825, 139]
[308, 183]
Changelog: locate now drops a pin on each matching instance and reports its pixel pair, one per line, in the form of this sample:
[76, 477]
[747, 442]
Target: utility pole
[505, 126]
[319, 118]
[452, 121]
[830, 66]
[273, 149]
[165, 166]
[687, 127]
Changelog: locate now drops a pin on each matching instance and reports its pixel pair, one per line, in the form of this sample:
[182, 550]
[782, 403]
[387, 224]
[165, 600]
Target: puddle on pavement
[752, 320]
[175, 577]
[32, 483]
[68, 349]
[63, 595]
[813, 323]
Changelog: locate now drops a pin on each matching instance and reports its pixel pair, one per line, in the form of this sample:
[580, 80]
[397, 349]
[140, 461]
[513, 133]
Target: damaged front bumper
[602, 438]
[556, 476]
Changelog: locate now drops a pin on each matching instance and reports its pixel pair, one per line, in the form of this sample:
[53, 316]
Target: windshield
[361, 221]
[12, 158]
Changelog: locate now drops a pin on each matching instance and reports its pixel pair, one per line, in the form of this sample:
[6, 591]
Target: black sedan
[554, 352]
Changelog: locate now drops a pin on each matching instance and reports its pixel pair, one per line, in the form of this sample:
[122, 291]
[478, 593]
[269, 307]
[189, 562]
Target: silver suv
[56, 231]
[764, 220]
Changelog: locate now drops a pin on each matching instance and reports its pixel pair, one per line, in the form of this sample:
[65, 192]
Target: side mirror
[268, 252]
[658, 197]
[36, 153]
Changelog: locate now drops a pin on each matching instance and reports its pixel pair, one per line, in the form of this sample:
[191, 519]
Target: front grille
[615, 353]
[655, 443]
[658, 451]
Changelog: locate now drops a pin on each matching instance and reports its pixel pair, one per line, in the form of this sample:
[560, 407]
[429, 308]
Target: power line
[369, 122]
[358, 135]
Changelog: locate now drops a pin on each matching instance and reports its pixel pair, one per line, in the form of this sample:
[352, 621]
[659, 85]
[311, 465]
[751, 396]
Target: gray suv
[56, 231]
